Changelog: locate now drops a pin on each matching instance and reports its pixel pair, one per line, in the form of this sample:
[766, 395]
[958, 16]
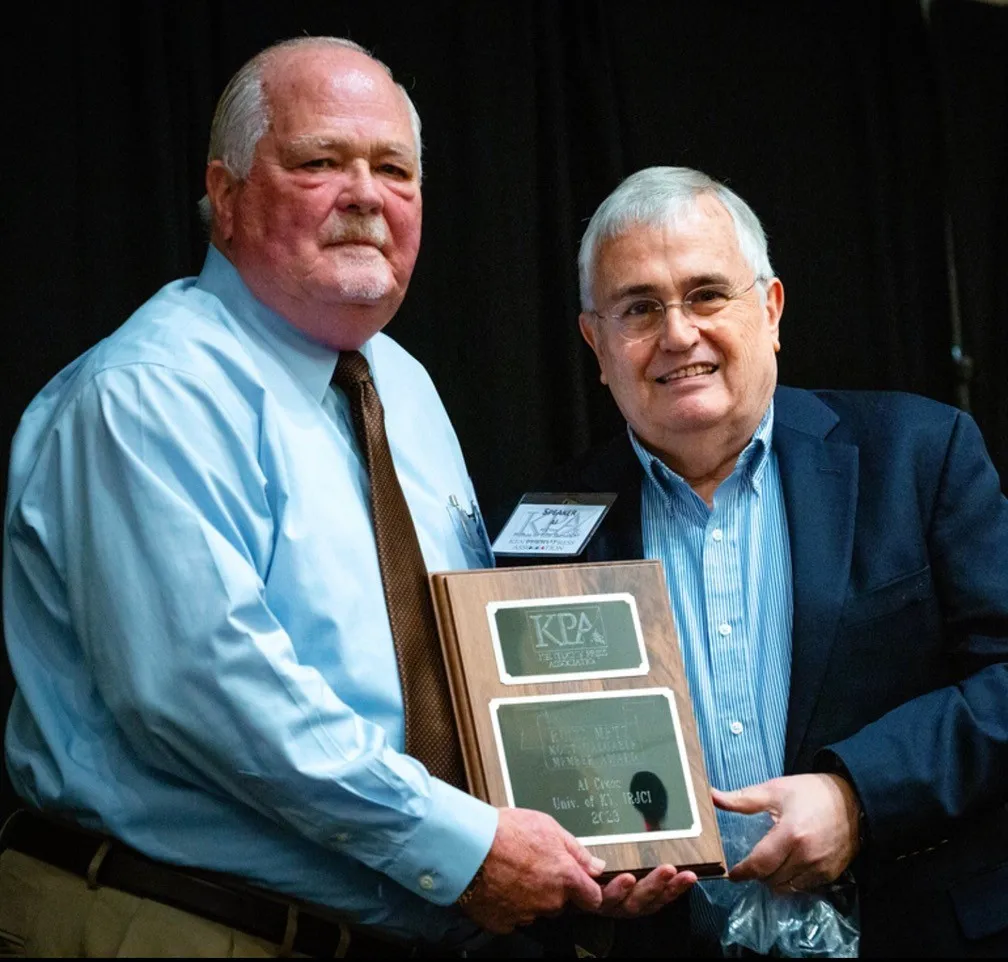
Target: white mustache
[363, 230]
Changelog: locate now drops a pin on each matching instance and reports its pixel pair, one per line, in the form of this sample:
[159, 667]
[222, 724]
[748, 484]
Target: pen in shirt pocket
[471, 523]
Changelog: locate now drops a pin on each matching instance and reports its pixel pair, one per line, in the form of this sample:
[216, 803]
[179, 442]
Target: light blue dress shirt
[195, 617]
[729, 574]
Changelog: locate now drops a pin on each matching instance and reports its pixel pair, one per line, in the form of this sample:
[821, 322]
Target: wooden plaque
[570, 696]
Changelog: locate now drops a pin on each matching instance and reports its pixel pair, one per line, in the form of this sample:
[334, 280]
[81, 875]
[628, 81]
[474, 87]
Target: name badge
[552, 525]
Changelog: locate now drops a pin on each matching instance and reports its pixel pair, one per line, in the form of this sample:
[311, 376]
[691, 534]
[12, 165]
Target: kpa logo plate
[563, 639]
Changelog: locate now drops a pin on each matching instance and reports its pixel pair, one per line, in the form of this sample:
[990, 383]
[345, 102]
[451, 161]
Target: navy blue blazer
[899, 552]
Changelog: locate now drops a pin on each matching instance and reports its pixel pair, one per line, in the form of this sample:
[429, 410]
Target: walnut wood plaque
[569, 690]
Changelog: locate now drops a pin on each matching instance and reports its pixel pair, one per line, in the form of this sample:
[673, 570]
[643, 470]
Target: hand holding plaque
[569, 692]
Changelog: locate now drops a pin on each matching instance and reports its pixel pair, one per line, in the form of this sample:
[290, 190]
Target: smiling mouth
[682, 373]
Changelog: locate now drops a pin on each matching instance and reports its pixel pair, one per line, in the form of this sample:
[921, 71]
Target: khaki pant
[48, 913]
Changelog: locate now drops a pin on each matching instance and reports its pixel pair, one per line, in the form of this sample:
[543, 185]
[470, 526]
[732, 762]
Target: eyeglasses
[639, 318]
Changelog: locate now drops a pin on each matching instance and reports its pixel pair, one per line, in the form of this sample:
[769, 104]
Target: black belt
[208, 894]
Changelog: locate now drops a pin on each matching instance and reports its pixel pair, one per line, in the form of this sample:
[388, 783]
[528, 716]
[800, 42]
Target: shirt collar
[752, 462]
[307, 360]
[750, 466]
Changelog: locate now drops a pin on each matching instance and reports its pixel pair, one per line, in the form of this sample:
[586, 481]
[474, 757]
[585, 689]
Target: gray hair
[656, 197]
[242, 114]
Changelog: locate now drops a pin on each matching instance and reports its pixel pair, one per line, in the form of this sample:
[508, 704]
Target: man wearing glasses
[838, 572]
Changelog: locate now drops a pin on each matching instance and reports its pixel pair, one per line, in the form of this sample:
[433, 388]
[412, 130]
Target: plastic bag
[824, 923]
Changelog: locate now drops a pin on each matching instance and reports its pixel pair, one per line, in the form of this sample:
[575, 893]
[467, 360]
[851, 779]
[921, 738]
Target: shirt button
[717, 534]
[426, 882]
[736, 727]
[724, 628]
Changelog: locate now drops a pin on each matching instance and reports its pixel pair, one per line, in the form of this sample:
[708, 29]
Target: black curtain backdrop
[870, 138]
[971, 40]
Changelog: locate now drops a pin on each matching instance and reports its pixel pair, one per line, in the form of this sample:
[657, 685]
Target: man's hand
[624, 897]
[814, 836]
[534, 867]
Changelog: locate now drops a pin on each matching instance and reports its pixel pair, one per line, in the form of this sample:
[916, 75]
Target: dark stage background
[870, 137]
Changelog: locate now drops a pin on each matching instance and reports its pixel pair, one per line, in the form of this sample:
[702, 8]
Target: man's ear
[222, 190]
[586, 322]
[774, 308]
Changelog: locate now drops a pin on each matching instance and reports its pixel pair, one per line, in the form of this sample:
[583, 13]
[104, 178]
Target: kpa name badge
[552, 525]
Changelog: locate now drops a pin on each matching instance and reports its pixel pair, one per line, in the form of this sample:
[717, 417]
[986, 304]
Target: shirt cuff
[448, 847]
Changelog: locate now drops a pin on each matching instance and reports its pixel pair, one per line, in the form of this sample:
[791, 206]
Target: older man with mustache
[210, 726]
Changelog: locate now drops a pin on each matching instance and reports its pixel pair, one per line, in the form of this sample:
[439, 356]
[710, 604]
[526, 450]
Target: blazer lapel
[819, 480]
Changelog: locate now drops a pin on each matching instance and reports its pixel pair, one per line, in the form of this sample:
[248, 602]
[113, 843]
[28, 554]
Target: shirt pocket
[471, 532]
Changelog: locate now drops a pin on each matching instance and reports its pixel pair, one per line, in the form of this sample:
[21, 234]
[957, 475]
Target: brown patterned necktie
[431, 735]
